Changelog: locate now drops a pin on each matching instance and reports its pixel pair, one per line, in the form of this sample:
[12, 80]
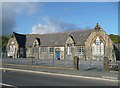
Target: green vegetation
[4, 40]
[115, 38]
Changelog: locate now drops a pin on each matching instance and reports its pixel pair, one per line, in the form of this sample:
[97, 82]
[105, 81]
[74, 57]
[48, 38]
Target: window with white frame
[97, 41]
[69, 49]
[102, 49]
[35, 44]
[81, 50]
[12, 50]
[98, 47]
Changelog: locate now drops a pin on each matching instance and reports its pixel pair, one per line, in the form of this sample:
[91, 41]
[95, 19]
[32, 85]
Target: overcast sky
[49, 17]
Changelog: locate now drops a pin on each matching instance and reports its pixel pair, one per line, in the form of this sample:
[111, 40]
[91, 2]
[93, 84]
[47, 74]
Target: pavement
[91, 74]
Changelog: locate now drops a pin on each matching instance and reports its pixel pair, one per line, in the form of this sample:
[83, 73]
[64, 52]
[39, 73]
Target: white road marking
[108, 77]
[58, 74]
[6, 84]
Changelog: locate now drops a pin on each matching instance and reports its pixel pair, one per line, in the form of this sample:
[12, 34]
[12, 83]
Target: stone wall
[44, 55]
[104, 38]
[12, 40]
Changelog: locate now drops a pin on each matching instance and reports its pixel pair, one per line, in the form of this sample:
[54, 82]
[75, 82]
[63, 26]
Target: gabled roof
[80, 36]
[58, 39]
[21, 39]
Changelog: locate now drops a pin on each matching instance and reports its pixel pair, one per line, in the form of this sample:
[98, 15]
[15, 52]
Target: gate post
[106, 64]
[76, 62]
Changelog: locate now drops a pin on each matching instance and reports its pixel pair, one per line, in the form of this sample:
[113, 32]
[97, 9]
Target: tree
[4, 41]
[115, 38]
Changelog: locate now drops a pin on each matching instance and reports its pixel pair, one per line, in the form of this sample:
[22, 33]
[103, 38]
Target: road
[17, 78]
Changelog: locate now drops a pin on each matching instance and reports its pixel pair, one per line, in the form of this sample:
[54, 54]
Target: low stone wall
[38, 62]
[83, 65]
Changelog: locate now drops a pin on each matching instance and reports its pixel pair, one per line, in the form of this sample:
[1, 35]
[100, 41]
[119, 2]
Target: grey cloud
[9, 12]
[52, 25]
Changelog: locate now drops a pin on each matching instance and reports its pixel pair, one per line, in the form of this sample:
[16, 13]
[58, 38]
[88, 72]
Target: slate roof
[53, 39]
[21, 39]
[80, 36]
[58, 39]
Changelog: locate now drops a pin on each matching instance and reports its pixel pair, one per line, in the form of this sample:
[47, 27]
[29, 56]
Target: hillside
[115, 38]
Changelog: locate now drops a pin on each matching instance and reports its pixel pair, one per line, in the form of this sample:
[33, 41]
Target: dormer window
[36, 43]
[70, 42]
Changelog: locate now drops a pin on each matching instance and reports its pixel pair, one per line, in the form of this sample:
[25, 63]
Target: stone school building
[91, 44]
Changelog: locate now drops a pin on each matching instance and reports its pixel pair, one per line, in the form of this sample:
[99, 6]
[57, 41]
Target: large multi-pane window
[81, 50]
[102, 49]
[97, 41]
[98, 47]
[11, 50]
[69, 49]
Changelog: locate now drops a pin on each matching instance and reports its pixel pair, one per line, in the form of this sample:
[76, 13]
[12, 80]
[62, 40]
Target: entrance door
[58, 55]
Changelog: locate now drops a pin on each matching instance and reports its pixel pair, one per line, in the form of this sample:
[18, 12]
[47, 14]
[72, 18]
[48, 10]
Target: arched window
[102, 49]
[97, 48]
[98, 41]
[12, 50]
[69, 49]
[35, 44]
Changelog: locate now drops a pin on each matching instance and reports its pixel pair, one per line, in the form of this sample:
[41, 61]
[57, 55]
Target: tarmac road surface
[17, 78]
